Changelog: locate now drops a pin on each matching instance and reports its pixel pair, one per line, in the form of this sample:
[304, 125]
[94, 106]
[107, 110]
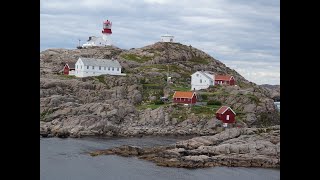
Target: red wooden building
[224, 79]
[226, 114]
[68, 67]
[185, 97]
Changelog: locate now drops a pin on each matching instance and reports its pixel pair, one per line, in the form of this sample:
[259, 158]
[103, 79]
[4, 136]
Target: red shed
[68, 67]
[226, 114]
[224, 79]
[185, 97]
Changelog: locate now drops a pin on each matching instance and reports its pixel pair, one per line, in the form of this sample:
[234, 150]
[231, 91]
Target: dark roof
[71, 65]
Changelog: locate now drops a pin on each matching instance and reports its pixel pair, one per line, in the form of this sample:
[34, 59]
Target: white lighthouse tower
[105, 40]
[106, 32]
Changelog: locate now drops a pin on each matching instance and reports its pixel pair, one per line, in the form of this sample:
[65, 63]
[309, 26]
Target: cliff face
[274, 91]
[123, 106]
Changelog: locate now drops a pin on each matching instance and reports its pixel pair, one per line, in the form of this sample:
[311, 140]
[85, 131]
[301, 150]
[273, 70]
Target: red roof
[223, 77]
[223, 109]
[183, 94]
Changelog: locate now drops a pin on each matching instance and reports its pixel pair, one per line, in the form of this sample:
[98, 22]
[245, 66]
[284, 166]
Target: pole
[168, 74]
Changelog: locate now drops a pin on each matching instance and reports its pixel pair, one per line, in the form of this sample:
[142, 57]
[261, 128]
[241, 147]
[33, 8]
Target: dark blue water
[67, 159]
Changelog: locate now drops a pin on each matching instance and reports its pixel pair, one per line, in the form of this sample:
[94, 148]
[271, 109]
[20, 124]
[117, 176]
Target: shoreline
[248, 147]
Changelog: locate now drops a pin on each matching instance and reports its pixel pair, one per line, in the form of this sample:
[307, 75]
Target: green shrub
[142, 81]
[214, 102]
[204, 97]
[158, 102]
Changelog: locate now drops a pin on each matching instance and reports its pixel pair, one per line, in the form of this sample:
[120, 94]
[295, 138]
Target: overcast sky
[243, 34]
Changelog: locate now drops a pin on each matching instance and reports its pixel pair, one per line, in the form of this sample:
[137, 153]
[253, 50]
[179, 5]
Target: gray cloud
[232, 31]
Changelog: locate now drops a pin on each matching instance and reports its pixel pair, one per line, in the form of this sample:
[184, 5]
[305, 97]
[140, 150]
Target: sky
[243, 34]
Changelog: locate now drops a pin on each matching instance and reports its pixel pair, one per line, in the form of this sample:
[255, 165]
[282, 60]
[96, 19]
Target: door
[227, 117]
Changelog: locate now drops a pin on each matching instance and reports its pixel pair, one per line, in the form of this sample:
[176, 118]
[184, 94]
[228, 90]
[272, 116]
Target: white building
[94, 67]
[201, 80]
[97, 41]
[105, 40]
[167, 38]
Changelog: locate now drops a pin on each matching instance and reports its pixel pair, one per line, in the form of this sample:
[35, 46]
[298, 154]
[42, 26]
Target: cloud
[231, 31]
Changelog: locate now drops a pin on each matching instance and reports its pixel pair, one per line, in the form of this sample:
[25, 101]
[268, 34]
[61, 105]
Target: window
[200, 80]
[227, 117]
[197, 75]
[87, 67]
[81, 67]
[104, 68]
[99, 67]
[108, 68]
[77, 66]
[112, 69]
[117, 69]
[92, 67]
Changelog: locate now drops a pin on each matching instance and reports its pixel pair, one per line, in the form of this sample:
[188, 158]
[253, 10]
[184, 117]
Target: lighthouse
[105, 40]
[106, 32]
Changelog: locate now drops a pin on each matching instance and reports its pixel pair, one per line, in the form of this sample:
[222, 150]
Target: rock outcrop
[240, 147]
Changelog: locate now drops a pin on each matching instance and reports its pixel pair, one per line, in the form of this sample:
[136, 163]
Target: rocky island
[122, 106]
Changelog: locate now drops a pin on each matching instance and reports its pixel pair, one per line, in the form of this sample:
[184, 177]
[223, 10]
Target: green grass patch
[214, 102]
[180, 88]
[199, 60]
[133, 57]
[152, 106]
[204, 110]
[101, 79]
[152, 86]
[45, 113]
[67, 76]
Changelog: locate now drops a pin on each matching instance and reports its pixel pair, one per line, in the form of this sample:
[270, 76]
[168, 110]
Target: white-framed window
[200, 80]
[81, 67]
[92, 67]
[87, 67]
[99, 67]
[77, 66]
[108, 68]
[113, 69]
[227, 117]
[117, 69]
[197, 75]
[105, 68]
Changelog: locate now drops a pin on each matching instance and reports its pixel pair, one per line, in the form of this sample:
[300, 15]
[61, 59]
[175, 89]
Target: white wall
[199, 81]
[98, 42]
[166, 39]
[71, 73]
[83, 71]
